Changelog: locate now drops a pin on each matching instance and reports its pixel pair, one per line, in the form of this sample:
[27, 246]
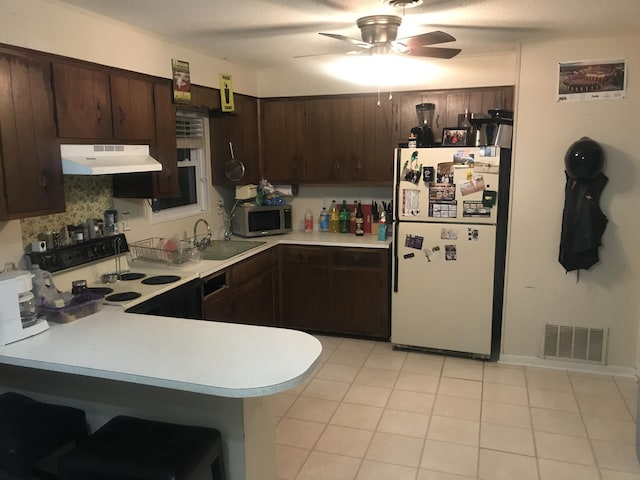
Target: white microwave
[253, 221]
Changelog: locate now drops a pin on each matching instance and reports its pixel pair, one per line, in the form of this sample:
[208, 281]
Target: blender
[18, 316]
[423, 133]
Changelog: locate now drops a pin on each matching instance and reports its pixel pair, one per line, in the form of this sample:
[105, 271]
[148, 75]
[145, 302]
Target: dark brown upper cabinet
[30, 167]
[94, 104]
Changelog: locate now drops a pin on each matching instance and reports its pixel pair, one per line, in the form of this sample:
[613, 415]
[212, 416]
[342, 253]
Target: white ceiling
[267, 33]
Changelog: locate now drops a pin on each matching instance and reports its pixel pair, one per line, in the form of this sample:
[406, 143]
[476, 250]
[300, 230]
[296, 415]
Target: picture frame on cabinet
[455, 137]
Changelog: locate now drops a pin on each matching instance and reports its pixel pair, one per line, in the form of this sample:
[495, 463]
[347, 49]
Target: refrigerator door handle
[395, 256]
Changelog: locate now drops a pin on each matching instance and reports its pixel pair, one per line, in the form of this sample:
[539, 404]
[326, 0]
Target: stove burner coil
[122, 297]
[160, 279]
[131, 276]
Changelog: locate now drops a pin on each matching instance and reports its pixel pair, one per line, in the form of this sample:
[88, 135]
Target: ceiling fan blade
[355, 41]
[425, 39]
[433, 52]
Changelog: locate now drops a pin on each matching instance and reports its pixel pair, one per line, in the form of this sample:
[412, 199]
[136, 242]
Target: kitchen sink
[223, 249]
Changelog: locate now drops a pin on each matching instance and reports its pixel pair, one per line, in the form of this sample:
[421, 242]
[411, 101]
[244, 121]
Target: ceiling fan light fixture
[403, 3]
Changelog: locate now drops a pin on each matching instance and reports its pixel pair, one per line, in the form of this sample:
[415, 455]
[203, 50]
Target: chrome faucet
[206, 241]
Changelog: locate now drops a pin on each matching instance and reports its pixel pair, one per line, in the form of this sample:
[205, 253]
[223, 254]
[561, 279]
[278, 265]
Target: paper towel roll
[287, 190]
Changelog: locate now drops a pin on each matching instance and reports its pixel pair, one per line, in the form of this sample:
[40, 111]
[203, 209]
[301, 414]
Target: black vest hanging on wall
[583, 223]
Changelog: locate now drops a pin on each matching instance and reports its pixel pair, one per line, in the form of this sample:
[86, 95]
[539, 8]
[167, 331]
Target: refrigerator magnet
[428, 174]
[489, 198]
[473, 234]
[407, 256]
[450, 253]
[474, 208]
[448, 234]
[413, 241]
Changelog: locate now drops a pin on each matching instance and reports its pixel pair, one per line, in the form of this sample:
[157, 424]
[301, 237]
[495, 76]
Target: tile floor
[371, 413]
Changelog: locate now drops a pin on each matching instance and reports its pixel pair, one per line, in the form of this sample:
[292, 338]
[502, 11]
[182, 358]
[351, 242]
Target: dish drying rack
[151, 250]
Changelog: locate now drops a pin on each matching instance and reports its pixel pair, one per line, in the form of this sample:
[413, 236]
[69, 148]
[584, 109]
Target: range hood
[107, 159]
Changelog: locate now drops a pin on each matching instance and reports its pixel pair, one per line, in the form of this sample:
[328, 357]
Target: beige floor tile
[553, 470]
[354, 358]
[611, 429]
[433, 475]
[553, 400]
[367, 395]
[357, 345]
[385, 362]
[422, 364]
[386, 348]
[356, 416]
[507, 439]
[607, 407]
[328, 466]
[616, 456]
[325, 389]
[282, 402]
[508, 374]
[376, 377]
[411, 401]
[299, 388]
[616, 475]
[495, 465]
[564, 448]
[506, 414]
[555, 421]
[339, 373]
[458, 407]
[599, 385]
[371, 470]
[454, 430]
[352, 442]
[417, 383]
[298, 433]
[460, 388]
[628, 388]
[329, 342]
[404, 423]
[289, 460]
[504, 393]
[450, 458]
[396, 449]
[547, 379]
[325, 355]
[462, 368]
[314, 409]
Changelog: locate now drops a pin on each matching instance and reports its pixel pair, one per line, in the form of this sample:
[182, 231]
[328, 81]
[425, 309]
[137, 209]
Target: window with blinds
[192, 145]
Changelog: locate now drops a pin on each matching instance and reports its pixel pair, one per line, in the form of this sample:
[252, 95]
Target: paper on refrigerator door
[410, 202]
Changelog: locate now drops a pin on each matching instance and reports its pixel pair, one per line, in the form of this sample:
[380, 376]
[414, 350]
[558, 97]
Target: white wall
[538, 289]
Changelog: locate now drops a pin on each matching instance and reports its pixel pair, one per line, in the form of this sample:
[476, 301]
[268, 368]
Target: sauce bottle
[359, 221]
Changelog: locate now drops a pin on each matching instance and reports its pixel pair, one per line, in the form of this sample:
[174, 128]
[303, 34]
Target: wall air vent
[581, 344]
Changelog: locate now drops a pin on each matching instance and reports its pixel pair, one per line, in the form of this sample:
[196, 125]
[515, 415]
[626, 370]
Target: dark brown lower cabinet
[336, 290]
[245, 293]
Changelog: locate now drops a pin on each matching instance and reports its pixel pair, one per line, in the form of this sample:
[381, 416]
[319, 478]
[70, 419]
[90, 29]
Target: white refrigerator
[449, 246]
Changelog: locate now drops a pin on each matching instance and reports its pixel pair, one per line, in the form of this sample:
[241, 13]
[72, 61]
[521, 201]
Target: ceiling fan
[379, 37]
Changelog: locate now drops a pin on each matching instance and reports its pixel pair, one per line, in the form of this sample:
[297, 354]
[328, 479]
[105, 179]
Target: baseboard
[571, 366]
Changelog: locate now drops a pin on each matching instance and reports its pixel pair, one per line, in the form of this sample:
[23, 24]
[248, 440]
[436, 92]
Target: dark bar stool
[129, 448]
[31, 430]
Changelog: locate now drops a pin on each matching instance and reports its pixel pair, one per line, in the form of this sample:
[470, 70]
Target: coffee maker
[423, 133]
[18, 316]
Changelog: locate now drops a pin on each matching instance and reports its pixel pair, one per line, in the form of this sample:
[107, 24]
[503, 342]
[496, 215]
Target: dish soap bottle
[334, 218]
[382, 227]
[308, 221]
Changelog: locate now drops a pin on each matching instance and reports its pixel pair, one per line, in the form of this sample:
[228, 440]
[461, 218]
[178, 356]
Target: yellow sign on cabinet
[226, 93]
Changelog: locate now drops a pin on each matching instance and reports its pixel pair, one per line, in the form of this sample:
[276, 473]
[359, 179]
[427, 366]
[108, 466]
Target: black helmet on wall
[584, 159]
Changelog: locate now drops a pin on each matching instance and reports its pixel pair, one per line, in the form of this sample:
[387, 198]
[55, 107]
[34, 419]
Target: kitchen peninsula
[161, 368]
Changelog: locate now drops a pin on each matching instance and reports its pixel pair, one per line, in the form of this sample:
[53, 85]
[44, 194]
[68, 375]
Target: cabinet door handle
[122, 115]
[98, 113]
[42, 180]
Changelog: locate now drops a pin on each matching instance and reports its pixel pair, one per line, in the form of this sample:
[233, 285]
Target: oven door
[184, 301]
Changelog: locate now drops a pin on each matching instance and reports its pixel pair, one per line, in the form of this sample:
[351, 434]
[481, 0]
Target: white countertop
[222, 359]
